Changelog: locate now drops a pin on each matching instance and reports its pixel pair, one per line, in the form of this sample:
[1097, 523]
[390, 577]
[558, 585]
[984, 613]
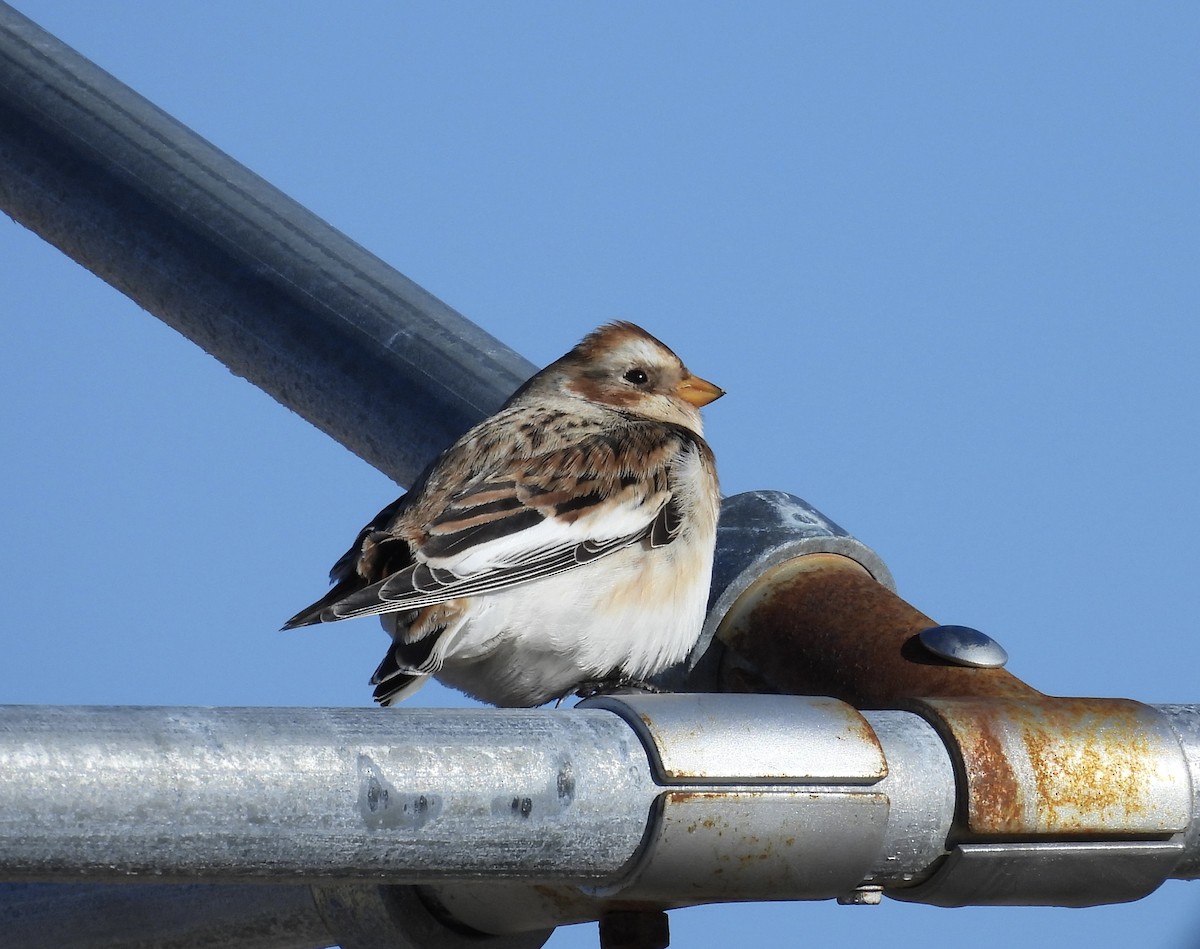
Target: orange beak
[698, 391]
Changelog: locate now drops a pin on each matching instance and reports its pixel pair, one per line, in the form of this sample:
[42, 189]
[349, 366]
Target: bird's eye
[637, 376]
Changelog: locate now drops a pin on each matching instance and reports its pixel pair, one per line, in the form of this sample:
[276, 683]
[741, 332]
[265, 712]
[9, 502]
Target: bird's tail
[312, 613]
[398, 676]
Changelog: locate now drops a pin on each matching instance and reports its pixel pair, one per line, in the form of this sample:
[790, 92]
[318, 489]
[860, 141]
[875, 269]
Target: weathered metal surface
[1047, 873]
[761, 845]
[821, 625]
[756, 787]
[507, 908]
[1066, 766]
[757, 531]
[229, 795]
[733, 739]
[920, 788]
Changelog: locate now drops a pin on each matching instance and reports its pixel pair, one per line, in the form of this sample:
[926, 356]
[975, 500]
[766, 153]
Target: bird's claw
[595, 687]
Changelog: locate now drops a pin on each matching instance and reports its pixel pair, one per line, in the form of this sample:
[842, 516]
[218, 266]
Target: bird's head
[623, 367]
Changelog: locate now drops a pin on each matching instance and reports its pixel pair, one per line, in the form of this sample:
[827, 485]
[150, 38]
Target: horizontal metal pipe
[232, 263]
[226, 795]
[514, 821]
[570, 797]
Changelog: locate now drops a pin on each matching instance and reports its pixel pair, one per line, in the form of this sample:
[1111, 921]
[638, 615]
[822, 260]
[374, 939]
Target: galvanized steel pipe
[661, 800]
[514, 822]
[587, 796]
[235, 265]
[191, 794]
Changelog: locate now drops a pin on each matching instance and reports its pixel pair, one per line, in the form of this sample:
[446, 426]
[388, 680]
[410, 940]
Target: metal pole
[515, 822]
[420, 796]
[529, 818]
[273, 795]
[232, 263]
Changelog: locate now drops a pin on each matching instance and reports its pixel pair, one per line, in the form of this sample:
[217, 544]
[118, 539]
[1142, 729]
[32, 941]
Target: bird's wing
[371, 555]
[534, 518]
[376, 553]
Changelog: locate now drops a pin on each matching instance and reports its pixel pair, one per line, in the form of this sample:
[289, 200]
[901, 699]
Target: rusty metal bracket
[744, 805]
[1060, 801]
[1064, 767]
[812, 611]
[820, 624]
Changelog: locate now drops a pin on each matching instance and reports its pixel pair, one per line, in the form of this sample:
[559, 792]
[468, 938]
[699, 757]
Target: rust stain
[1031, 764]
[821, 625]
[683, 797]
[994, 789]
[1088, 758]
[748, 860]
[1091, 763]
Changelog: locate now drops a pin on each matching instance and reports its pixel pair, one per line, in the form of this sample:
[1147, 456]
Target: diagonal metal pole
[232, 263]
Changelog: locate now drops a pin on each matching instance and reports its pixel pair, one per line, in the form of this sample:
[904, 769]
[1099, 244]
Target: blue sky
[942, 256]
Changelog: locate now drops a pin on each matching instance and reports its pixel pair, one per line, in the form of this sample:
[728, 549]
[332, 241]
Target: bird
[562, 546]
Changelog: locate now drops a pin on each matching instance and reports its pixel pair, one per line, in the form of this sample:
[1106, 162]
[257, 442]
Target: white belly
[632, 614]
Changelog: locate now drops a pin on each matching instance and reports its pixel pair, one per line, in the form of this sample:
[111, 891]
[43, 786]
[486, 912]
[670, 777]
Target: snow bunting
[564, 544]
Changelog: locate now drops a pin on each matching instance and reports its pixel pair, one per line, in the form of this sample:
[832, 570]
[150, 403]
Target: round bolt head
[963, 646]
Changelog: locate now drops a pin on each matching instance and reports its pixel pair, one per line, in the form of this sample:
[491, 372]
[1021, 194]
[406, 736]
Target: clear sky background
[943, 257]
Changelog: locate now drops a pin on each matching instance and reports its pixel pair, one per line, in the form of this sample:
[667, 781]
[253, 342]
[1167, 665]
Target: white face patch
[645, 352]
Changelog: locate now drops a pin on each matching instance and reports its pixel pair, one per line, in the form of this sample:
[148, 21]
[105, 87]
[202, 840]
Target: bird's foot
[594, 687]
